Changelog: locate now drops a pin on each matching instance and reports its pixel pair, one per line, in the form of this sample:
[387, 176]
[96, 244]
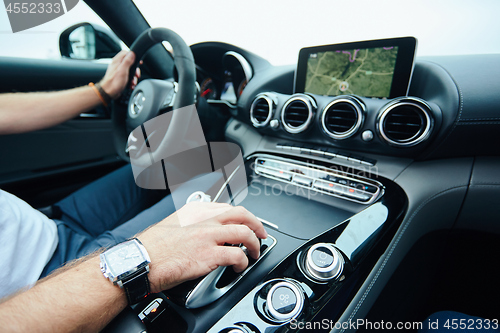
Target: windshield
[278, 29]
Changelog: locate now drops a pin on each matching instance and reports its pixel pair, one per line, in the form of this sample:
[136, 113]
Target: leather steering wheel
[152, 95]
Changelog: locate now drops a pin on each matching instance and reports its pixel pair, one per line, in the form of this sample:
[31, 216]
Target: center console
[327, 227]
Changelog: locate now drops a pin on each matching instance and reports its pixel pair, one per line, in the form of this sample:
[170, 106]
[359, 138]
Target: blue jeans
[104, 213]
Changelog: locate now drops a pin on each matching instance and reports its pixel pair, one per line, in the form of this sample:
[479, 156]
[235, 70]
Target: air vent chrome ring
[309, 103]
[269, 103]
[420, 109]
[358, 122]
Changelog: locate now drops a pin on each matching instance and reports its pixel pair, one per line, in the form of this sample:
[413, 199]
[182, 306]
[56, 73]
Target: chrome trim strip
[245, 65]
[269, 224]
[358, 108]
[422, 135]
[226, 103]
[325, 153]
[223, 187]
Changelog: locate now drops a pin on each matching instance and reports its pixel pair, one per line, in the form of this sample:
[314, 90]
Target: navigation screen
[378, 68]
[363, 72]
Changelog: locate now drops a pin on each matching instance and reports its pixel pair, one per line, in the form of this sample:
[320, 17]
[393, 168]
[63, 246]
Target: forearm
[24, 112]
[81, 299]
[78, 299]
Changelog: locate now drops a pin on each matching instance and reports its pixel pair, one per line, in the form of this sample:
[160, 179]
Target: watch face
[123, 258]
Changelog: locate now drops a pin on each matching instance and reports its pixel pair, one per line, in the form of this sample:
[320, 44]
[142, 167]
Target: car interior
[375, 173]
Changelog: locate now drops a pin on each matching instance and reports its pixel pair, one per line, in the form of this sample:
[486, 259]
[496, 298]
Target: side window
[42, 42]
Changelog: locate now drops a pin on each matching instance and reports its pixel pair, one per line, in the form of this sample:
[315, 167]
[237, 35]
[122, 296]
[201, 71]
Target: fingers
[127, 60]
[135, 79]
[237, 234]
[119, 57]
[239, 215]
[133, 84]
[231, 256]
[116, 77]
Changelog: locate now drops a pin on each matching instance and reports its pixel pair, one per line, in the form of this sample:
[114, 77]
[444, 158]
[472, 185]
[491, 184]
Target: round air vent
[297, 113]
[261, 110]
[342, 118]
[406, 122]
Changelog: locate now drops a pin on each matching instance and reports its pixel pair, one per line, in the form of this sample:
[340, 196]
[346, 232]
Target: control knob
[324, 262]
[284, 301]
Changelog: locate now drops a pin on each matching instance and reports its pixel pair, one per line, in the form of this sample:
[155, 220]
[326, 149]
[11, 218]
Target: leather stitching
[479, 123]
[472, 119]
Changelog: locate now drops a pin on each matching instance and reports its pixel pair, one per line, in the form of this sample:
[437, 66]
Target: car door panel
[23, 75]
[74, 146]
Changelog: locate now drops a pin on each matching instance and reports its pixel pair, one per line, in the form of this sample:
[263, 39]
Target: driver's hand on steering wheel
[116, 77]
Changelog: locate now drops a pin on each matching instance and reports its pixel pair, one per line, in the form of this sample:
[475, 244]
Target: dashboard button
[274, 173]
[367, 135]
[329, 187]
[322, 257]
[302, 180]
[330, 155]
[324, 262]
[367, 161]
[362, 196]
[330, 178]
[354, 159]
[284, 301]
[342, 181]
[305, 150]
[318, 153]
[367, 188]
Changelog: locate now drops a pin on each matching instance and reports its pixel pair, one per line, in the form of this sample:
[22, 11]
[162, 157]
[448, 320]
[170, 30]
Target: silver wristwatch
[127, 266]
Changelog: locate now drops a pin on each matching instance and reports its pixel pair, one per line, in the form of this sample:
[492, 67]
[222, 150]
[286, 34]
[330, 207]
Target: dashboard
[362, 178]
[268, 102]
[435, 121]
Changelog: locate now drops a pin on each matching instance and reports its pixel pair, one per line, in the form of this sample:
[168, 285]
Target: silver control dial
[284, 301]
[324, 262]
[237, 330]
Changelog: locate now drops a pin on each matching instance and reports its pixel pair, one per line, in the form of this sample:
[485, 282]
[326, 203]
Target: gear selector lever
[218, 282]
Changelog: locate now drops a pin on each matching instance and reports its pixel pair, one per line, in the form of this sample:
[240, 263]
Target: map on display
[365, 72]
